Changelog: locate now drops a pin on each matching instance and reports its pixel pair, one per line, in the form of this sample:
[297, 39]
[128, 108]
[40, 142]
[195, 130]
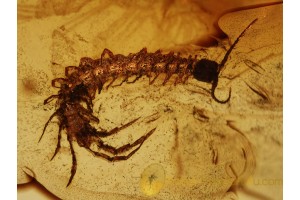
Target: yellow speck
[152, 179]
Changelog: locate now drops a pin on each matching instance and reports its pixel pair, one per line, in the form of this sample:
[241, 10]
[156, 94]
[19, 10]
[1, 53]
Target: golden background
[246, 133]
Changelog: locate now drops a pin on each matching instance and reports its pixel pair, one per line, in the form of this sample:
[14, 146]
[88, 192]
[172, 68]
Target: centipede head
[206, 70]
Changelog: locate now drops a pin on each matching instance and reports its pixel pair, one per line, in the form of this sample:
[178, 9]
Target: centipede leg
[87, 115]
[185, 79]
[152, 81]
[126, 147]
[86, 62]
[143, 51]
[60, 81]
[114, 78]
[124, 80]
[51, 117]
[100, 86]
[88, 134]
[58, 142]
[74, 162]
[167, 78]
[136, 78]
[116, 129]
[46, 101]
[106, 52]
[70, 70]
[88, 102]
[178, 79]
[122, 149]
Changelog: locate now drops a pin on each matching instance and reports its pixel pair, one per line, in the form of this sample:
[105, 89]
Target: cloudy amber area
[200, 149]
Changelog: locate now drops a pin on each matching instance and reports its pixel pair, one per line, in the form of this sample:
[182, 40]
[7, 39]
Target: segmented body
[81, 83]
[95, 73]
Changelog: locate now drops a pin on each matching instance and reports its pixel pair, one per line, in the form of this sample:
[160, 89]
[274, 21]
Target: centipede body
[78, 89]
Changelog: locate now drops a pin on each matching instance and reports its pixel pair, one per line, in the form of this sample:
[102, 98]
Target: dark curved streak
[213, 88]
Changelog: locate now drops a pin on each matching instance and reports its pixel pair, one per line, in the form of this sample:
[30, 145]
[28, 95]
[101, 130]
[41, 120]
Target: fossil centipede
[79, 88]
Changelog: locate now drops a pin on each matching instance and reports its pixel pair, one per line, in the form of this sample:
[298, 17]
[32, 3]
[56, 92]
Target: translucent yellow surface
[200, 149]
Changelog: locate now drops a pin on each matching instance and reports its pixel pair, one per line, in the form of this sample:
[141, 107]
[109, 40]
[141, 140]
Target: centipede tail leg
[74, 161]
[137, 142]
[102, 155]
[116, 129]
[58, 142]
[122, 149]
[88, 131]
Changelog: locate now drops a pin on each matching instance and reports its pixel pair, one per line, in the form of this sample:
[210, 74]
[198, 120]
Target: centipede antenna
[214, 85]
[221, 65]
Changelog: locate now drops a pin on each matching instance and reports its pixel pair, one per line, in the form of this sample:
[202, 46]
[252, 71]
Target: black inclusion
[206, 71]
